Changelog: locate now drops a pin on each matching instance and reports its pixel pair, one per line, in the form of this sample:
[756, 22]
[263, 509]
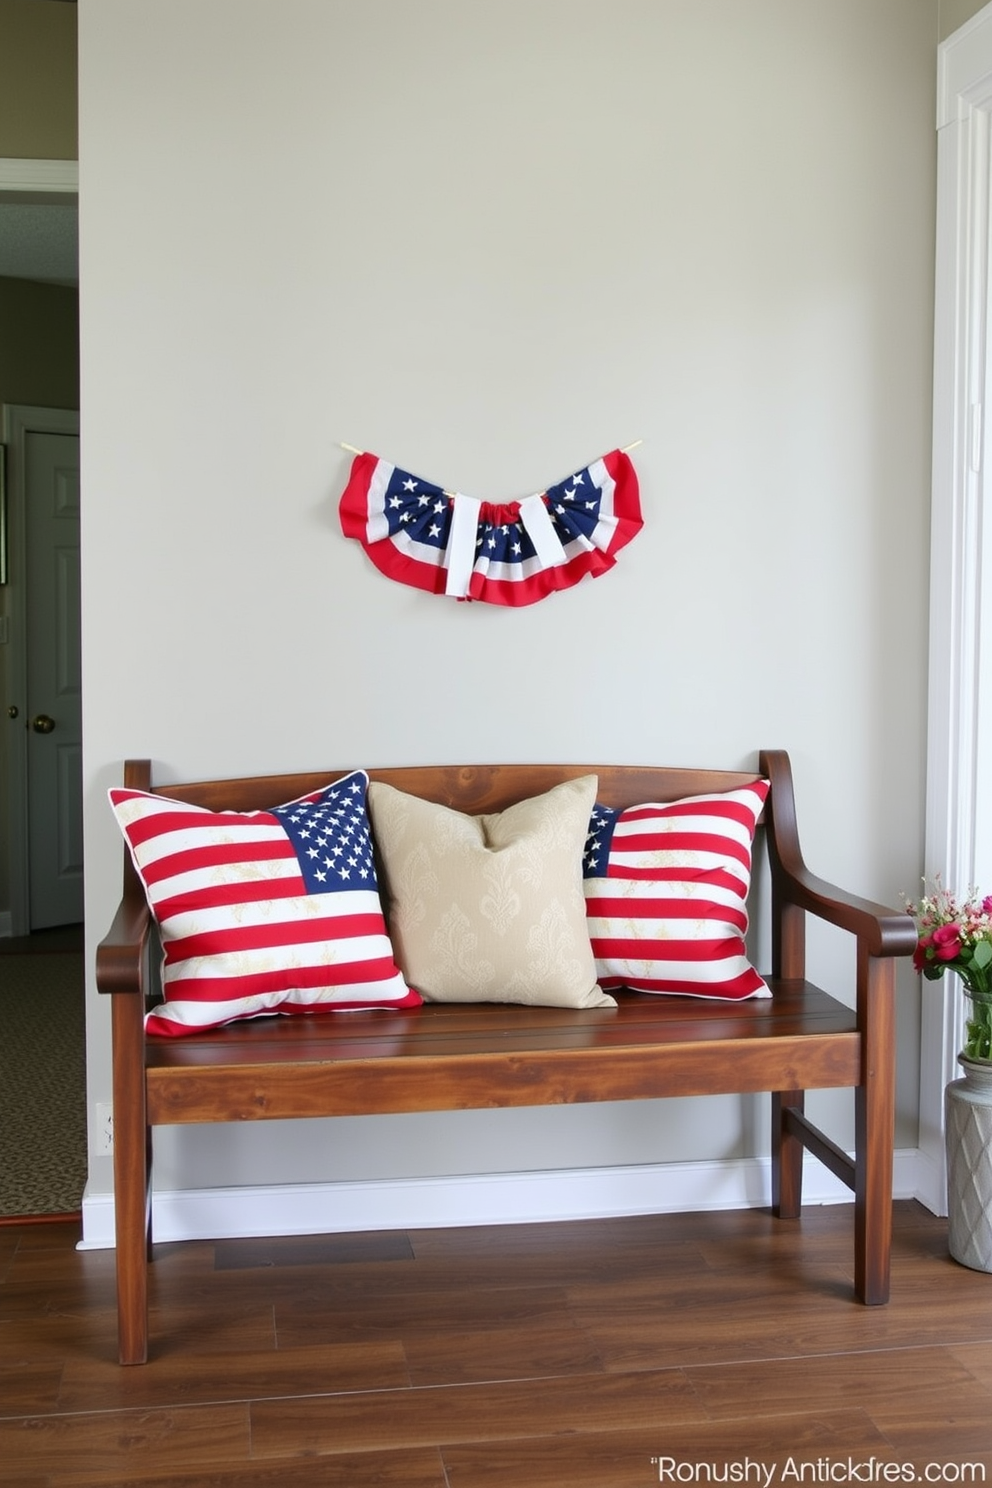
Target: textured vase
[968, 1134]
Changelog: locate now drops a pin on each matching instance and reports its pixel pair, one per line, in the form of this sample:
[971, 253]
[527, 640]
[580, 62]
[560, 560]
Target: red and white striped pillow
[666, 894]
[263, 911]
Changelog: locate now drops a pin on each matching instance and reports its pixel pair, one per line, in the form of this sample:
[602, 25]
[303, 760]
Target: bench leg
[874, 1131]
[131, 1179]
[787, 1156]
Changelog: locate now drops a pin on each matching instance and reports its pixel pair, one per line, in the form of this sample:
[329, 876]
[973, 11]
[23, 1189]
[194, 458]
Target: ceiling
[39, 240]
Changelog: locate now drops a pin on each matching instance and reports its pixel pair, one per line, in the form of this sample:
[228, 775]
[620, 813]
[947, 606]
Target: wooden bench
[466, 1056]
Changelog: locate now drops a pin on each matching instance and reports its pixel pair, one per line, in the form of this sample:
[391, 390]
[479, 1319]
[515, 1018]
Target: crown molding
[38, 180]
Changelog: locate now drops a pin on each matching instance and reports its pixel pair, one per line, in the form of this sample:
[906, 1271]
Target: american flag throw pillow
[264, 911]
[666, 894]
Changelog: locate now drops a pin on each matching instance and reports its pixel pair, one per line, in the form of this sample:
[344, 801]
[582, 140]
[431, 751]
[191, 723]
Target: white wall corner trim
[964, 67]
[483, 1199]
[959, 768]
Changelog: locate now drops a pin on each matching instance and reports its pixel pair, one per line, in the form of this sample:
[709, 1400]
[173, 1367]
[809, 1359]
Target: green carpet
[42, 1084]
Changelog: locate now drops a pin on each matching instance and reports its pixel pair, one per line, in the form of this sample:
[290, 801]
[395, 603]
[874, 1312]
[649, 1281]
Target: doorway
[43, 722]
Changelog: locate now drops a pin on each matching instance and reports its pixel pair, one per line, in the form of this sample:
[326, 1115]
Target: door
[53, 695]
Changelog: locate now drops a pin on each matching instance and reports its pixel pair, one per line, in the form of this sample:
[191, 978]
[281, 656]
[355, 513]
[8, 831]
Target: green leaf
[982, 954]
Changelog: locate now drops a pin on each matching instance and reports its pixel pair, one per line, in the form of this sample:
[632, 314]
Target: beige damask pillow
[490, 908]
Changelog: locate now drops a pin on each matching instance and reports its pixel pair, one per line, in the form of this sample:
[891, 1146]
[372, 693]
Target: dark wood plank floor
[613, 1353]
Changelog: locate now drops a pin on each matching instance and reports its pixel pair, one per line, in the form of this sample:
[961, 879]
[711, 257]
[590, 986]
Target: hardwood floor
[620, 1353]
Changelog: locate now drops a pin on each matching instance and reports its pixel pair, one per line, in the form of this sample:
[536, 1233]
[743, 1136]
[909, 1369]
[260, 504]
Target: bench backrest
[470, 788]
[473, 789]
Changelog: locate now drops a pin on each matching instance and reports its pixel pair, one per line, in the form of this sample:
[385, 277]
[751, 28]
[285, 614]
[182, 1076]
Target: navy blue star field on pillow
[331, 838]
[597, 852]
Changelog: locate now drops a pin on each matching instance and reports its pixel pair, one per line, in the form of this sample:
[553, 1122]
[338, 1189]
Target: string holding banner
[510, 553]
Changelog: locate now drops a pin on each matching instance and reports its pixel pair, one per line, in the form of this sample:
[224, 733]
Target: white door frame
[959, 747]
[18, 422]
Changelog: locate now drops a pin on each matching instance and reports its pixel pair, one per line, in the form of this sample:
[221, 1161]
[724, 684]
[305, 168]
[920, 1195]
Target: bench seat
[465, 1056]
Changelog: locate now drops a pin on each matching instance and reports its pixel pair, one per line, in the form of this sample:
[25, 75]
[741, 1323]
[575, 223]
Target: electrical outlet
[104, 1128]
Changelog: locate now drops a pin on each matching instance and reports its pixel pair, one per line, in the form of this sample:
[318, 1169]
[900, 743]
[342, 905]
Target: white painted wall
[490, 242]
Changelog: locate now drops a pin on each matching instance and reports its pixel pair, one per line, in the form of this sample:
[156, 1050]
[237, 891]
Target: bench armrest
[886, 932]
[122, 955]
[883, 930]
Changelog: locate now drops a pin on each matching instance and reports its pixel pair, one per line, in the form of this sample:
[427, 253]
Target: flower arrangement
[956, 935]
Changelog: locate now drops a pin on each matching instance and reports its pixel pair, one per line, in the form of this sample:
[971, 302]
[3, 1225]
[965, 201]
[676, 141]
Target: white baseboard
[476, 1199]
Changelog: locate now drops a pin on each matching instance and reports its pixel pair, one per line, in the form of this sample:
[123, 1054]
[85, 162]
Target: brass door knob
[43, 724]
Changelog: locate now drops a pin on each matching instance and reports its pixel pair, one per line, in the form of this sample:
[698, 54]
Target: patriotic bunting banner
[513, 553]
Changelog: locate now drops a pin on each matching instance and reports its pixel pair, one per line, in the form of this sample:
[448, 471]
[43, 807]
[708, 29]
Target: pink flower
[946, 942]
[920, 954]
[987, 904]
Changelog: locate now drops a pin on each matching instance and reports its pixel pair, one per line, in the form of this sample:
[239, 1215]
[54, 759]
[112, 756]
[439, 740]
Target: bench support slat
[833, 1157]
[787, 1154]
[874, 1126]
[132, 1197]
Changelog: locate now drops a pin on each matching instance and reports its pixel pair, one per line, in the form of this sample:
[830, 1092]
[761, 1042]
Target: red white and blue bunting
[512, 553]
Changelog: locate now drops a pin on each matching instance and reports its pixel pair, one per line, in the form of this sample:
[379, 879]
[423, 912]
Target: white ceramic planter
[968, 1134]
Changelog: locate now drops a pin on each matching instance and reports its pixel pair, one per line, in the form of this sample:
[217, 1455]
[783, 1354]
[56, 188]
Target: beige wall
[490, 247]
[38, 79]
[954, 13]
